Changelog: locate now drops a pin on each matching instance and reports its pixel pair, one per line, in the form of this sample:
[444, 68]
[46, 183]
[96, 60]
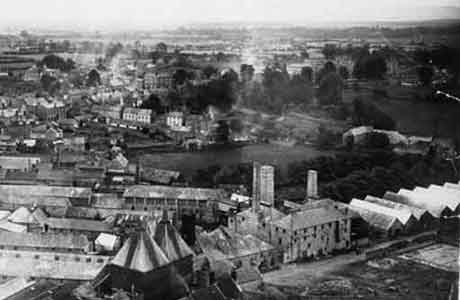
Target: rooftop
[168, 192]
[309, 218]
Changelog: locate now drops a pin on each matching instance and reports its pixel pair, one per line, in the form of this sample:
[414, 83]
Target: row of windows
[57, 257]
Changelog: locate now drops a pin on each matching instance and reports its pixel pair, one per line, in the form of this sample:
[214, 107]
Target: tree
[330, 89]
[209, 71]
[49, 84]
[154, 103]
[425, 74]
[370, 66]
[367, 114]
[343, 72]
[180, 76]
[56, 62]
[330, 51]
[329, 67]
[307, 74]
[94, 78]
[113, 49]
[377, 140]
[247, 72]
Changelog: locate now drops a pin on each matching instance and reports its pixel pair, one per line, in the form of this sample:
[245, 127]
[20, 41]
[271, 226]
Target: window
[100, 260]
[284, 230]
[18, 255]
[36, 256]
[280, 241]
[77, 259]
[88, 260]
[56, 257]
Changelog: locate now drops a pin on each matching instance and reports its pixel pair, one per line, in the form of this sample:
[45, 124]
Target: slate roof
[78, 224]
[402, 215]
[416, 212]
[170, 241]
[22, 215]
[14, 286]
[309, 218]
[222, 243]
[265, 213]
[424, 201]
[44, 240]
[168, 192]
[41, 194]
[5, 225]
[377, 220]
[140, 253]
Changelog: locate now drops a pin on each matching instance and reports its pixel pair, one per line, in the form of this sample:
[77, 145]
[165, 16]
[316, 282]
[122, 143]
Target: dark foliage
[56, 62]
[367, 114]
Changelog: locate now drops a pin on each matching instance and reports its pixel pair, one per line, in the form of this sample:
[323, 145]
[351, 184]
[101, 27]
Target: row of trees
[221, 92]
[57, 62]
[342, 177]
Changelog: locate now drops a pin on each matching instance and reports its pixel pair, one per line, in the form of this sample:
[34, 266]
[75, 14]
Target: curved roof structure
[140, 253]
[170, 241]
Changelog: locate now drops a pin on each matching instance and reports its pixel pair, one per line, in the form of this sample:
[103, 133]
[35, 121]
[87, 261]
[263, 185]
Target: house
[175, 120]
[138, 115]
[32, 74]
[50, 110]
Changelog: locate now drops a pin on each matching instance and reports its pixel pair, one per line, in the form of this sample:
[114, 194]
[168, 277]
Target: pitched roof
[416, 212]
[402, 215]
[222, 243]
[13, 227]
[377, 220]
[170, 241]
[4, 214]
[41, 194]
[44, 240]
[22, 215]
[424, 201]
[309, 218]
[439, 194]
[14, 286]
[39, 215]
[140, 253]
[169, 192]
[265, 213]
[78, 224]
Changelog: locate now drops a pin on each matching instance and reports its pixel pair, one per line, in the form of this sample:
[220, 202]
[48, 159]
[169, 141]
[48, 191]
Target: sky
[145, 14]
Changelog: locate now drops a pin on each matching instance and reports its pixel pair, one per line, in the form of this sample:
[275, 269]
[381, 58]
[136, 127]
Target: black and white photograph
[229, 150]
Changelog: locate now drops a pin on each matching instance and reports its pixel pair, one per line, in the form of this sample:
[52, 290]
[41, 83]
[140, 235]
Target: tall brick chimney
[256, 187]
[312, 185]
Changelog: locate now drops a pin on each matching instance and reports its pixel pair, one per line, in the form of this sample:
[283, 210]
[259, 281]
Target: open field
[351, 277]
[440, 256]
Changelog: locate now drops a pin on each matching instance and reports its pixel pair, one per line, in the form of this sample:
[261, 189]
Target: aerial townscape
[229, 160]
